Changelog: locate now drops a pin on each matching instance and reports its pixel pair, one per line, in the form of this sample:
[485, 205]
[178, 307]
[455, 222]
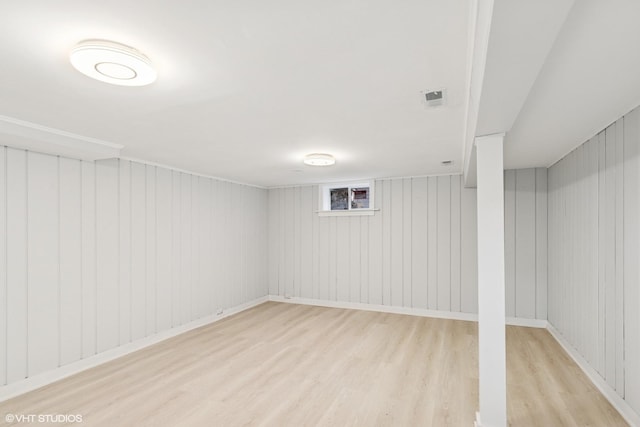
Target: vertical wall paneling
[124, 250]
[354, 259]
[631, 291]
[407, 228]
[602, 200]
[419, 242]
[176, 221]
[185, 247]
[88, 181]
[342, 257]
[619, 241]
[364, 259]
[610, 255]
[323, 257]
[163, 250]
[396, 236]
[444, 242]
[43, 285]
[16, 264]
[107, 233]
[307, 214]
[204, 305]
[213, 264]
[70, 260]
[525, 250]
[151, 251]
[418, 250]
[274, 234]
[593, 273]
[541, 243]
[138, 251]
[456, 183]
[315, 244]
[3, 265]
[289, 243]
[229, 244]
[510, 241]
[386, 242]
[375, 249]
[592, 265]
[98, 254]
[469, 252]
[432, 243]
[194, 240]
[297, 242]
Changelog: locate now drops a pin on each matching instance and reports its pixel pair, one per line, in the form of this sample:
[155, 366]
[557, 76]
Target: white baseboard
[609, 393]
[477, 422]
[472, 317]
[376, 307]
[40, 380]
[529, 323]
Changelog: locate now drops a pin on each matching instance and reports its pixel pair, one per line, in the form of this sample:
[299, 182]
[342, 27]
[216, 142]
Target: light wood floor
[293, 365]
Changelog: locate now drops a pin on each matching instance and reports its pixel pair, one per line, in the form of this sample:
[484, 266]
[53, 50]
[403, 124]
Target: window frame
[324, 198]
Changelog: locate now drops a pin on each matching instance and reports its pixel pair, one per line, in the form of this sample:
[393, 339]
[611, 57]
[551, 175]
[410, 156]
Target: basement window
[354, 198]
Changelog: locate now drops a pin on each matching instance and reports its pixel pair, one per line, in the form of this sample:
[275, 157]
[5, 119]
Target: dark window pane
[339, 199]
[360, 198]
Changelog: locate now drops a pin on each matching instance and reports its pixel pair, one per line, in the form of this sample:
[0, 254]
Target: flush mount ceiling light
[318, 159]
[112, 63]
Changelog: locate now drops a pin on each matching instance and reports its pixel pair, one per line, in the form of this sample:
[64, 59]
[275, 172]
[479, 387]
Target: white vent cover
[433, 98]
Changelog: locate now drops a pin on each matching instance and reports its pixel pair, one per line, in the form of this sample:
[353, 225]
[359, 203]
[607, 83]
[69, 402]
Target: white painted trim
[610, 394]
[480, 24]
[478, 421]
[161, 165]
[380, 178]
[32, 383]
[452, 315]
[352, 212]
[527, 323]
[376, 307]
[34, 137]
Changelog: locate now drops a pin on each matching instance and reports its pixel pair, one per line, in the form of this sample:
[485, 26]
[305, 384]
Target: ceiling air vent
[433, 98]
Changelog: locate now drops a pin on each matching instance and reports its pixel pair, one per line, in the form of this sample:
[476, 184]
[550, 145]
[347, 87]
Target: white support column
[491, 308]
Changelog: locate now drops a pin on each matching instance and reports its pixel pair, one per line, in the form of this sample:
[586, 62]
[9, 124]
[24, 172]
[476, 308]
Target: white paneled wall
[97, 255]
[525, 207]
[594, 253]
[418, 251]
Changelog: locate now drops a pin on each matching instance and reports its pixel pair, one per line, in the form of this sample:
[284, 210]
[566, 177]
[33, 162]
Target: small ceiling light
[318, 159]
[113, 63]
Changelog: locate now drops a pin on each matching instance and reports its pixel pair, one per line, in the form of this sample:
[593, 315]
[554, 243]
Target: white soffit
[480, 26]
[522, 34]
[520, 37]
[30, 136]
[589, 80]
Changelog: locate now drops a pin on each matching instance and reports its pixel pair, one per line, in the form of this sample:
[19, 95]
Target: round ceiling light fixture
[112, 63]
[319, 159]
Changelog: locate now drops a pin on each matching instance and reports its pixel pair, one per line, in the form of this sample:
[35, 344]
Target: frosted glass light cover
[113, 63]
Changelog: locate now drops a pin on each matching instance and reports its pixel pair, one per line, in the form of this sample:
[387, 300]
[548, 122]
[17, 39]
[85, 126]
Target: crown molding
[30, 136]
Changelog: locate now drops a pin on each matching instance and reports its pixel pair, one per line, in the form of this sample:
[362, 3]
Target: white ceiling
[246, 88]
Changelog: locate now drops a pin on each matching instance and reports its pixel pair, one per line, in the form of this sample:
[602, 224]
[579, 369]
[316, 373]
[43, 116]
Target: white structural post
[491, 308]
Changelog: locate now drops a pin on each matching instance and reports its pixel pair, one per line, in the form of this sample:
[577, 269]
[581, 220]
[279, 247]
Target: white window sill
[355, 212]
